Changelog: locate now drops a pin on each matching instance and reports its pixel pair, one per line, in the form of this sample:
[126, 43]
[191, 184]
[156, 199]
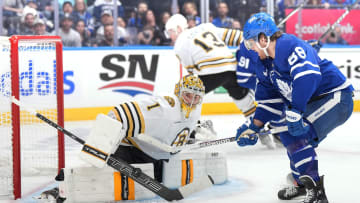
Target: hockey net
[31, 71]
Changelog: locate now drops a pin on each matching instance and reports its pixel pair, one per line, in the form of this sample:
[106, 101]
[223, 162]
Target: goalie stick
[174, 149]
[122, 166]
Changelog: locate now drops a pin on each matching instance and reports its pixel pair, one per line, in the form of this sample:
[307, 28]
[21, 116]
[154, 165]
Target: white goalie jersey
[158, 117]
[204, 50]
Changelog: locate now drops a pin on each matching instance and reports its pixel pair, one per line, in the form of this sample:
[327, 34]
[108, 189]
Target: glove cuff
[255, 128]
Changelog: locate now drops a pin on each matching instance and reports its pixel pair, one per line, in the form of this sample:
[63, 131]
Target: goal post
[31, 71]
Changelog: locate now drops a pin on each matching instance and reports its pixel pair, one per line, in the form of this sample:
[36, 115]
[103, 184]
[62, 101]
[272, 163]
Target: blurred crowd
[90, 23]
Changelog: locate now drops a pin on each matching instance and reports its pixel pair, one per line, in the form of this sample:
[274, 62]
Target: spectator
[27, 21]
[61, 2]
[106, 19]
[335, 37]
[85, 34]
[314, 3]
[191, 21]
[328, 3]
[243, 9]
[69, 37]
[150, 21]
[12, 10]
[236, 25]
[40, 27]
[67, 7]
[223, 20]
[164, 40]
[80, 13]
[139, 18]
[101, 5]
[123, 34]
[108, 39]
[47, 10]
[189, 9]
[146, 36]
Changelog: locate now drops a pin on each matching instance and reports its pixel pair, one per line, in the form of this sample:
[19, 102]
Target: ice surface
[256, 173]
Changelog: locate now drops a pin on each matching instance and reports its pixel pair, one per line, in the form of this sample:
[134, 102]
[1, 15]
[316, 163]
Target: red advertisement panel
[314, 22]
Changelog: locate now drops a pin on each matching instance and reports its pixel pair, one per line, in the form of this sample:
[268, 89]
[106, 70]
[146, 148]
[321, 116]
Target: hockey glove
[315, 44]
[245, 134]
[295, 123]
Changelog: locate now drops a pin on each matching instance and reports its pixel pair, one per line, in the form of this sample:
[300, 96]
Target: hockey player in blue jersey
[310, 93]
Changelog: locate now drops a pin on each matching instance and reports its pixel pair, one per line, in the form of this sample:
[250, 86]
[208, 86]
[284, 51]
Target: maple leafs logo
[285, 89]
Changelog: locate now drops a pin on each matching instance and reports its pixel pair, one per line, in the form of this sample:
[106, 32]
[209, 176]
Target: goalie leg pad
[184, 168]
[90, 184]
[105, 137]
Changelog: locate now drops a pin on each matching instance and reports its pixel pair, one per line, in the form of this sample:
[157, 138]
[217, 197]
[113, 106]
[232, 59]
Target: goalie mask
[190, 90]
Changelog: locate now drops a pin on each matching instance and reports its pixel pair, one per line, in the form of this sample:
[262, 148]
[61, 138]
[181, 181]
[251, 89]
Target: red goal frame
[15, 110]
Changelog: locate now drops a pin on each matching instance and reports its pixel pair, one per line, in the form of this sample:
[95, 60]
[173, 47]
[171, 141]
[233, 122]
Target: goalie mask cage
[31, 71]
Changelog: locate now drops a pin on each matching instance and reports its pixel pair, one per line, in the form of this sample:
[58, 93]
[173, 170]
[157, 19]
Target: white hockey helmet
[190, 90]
[175, 21]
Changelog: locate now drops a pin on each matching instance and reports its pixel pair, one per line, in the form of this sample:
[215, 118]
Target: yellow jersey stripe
[130, 120]
[140, 117]
[187, 172]
[117, 114]
[117, 186]
[250, 111]
[131, 185]
[224, 35]
[183, 172]
[238, 41]
[233, 32]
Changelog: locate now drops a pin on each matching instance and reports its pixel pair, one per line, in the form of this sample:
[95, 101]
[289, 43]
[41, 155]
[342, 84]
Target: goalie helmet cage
[31, 71]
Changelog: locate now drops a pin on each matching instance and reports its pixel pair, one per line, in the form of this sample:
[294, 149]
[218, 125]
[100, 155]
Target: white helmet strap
[264, 48]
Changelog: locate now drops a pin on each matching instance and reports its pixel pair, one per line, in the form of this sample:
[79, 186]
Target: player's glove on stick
[295, 122]
[245, 134]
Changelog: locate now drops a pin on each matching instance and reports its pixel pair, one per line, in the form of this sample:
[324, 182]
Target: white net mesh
[37, 89]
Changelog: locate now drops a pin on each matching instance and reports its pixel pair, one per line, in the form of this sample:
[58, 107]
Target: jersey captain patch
[170, 100]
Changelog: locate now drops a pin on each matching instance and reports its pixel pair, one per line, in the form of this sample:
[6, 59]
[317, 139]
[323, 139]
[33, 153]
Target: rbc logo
[30, 82]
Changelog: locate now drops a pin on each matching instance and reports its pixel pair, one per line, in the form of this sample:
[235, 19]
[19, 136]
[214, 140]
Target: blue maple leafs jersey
[296, 75]
[247, 62]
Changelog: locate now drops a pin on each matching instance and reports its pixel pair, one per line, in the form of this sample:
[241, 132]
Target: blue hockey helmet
[259, 23]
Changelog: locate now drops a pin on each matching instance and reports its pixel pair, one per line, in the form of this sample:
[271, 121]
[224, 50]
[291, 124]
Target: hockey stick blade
[122, 166]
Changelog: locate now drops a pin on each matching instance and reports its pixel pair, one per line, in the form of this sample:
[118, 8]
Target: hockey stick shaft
[233, 139]
[291, 13]
[332, 27]
[122, 166]
[173, 149]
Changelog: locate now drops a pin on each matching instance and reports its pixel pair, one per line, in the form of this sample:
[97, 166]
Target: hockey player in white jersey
[203, 50]
[168, 119]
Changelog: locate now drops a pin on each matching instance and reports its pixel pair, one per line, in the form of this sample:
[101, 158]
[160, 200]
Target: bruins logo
[170, 100]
